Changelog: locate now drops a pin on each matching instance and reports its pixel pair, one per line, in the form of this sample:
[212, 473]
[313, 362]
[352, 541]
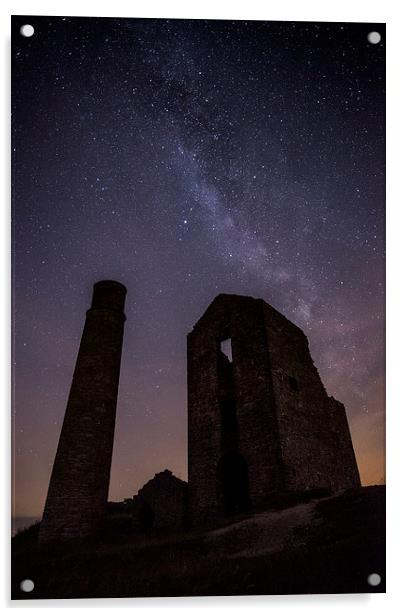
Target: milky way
[187, 159]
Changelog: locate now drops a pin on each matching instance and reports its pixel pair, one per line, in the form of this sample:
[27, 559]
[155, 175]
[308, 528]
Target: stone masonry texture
[260, 423]
[79, 483]
[161, 503]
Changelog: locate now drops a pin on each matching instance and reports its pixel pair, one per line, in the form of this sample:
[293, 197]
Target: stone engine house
[260, 422]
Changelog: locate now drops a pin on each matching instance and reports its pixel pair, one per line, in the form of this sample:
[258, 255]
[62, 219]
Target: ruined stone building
[260, 422]
[78, 490]
[161, 503]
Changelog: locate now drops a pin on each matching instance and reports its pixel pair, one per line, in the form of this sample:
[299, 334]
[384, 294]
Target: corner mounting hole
[374, 37]
[27, 30]
[374, 579]
[27, 585]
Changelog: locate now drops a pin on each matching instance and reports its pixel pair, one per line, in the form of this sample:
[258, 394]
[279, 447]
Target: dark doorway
[146, 516]
[233, 477]
[228, 416]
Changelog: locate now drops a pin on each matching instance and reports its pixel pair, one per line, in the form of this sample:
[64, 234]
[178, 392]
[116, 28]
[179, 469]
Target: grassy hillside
[327, 545]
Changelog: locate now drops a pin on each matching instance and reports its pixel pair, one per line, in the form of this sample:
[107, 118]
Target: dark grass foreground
[327, 545]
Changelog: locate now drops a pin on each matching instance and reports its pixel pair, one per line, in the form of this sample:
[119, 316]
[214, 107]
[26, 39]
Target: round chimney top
[109, 294]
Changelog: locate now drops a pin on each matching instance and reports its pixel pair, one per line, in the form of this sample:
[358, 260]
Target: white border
[296, 10]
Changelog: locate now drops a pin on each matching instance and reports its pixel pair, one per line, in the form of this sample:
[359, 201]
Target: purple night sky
[187, 159]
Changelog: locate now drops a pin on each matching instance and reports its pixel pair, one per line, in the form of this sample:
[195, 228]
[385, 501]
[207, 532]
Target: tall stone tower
[259, 419]
[79, 484]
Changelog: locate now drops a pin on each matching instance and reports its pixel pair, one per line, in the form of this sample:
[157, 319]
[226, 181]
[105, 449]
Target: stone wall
[242, 320]
[316, 447]
[161, 503]
[264, 415]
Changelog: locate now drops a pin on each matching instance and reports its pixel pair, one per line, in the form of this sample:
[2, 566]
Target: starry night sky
[187, 159]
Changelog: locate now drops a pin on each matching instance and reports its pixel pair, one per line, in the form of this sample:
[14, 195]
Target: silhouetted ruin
[260, 422]
[79, 484]
[161, 503]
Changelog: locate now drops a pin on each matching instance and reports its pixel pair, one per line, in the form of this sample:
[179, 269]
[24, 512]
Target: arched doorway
[233, 481]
